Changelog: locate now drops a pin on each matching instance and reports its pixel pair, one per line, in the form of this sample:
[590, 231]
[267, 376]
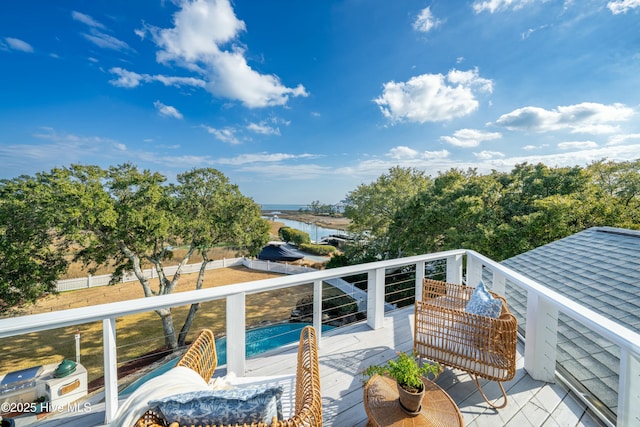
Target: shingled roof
[599, 268]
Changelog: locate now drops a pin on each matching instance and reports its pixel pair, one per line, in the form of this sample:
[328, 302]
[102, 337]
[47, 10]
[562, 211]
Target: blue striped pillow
[222, 407]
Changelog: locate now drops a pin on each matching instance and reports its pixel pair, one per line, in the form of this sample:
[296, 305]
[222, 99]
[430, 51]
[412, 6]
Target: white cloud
[105, 41]
[98, 37]
[129, 79]
[530, 31]
[425, 21]
[622, 6]
[53, 135]
[86, 19]
[167, 110]
[535, 147]
[441, 154]
[577, 145]
[430, 161]
[621, 139]
[487, 161]
[499, 5]
[402, 152]
[284, 171]
[262, 158]
[200, 29]
[569, 158]
[225, 135]
[470, 137]
[17, 44]
[586, 117]
[433, 97]
[263, 129]
[488, 155]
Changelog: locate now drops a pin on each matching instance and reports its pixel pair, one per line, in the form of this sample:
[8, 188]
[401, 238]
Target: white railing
[542, 308]
[349, 289]
[149, 273]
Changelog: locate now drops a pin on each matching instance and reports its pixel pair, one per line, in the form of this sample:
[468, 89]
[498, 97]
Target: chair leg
[484, 396]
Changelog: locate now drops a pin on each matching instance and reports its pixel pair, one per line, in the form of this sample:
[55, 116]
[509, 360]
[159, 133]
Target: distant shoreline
[326, 221]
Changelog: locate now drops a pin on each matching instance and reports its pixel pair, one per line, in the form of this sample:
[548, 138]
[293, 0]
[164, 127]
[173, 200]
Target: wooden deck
[345, 352]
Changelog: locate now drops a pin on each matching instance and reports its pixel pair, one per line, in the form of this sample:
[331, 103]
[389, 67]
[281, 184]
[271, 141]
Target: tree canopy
[128, 218]
[497, 214]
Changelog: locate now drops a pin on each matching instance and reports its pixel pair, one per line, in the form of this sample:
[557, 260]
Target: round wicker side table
[383, 409]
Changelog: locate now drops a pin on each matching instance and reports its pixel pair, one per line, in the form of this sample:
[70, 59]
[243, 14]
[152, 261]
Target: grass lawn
[141, 334]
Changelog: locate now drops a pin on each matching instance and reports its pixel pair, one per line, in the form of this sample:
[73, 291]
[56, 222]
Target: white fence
[150, 273]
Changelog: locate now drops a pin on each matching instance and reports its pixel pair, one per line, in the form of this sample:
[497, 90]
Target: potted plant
[408, 374]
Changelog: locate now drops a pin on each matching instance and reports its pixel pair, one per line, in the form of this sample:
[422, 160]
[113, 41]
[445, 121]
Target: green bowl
[66, 367]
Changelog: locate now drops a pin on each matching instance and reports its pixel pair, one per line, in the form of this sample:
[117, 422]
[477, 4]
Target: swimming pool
[257, 340]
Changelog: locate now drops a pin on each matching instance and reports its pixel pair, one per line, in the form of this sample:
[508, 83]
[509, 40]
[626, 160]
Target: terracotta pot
[410, 402]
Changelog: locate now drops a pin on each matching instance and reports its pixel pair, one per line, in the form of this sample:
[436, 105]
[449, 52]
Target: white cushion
[176, 380]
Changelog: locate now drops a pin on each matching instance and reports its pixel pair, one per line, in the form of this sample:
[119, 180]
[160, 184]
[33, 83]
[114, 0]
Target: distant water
[314, 231]
[283, 207]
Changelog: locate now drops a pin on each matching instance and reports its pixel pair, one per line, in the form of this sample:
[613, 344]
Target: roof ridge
[616, 230]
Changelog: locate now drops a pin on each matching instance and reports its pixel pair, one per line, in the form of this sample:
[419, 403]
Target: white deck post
[317, 309]
[499, 283]
[375, 298]
[474, 271]
[420, 265]
[454, 269]
[628, 389]
[236, 340]
[540, 339]
[110, 369]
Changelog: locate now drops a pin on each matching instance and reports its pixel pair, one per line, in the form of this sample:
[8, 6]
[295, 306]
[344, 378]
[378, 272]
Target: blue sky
[299, 101]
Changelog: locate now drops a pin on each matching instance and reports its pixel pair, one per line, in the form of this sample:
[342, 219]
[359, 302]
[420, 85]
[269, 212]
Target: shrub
[292, 235]
[318, 249]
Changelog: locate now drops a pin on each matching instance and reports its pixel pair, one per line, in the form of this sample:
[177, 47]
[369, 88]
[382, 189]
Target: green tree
[29, 262]
[213, 211]
[616, 185]
[372, 207]
[130, 218]
[459, 210]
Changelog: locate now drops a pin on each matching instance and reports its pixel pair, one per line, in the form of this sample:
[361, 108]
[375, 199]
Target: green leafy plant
[405, 370]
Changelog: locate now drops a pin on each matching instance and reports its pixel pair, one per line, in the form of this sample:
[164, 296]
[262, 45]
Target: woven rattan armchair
[445, 333]
[201, 357]
[308, 400]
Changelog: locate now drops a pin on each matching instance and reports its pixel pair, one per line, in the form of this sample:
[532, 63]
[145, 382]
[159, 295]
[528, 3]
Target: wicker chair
[445, 333]
[308, 400]
[201, 356]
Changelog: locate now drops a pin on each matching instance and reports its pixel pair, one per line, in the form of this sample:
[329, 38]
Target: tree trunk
[194, 307]
[187, 324]
[169, 330]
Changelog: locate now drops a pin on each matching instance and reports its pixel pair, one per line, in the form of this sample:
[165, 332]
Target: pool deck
[345, 352]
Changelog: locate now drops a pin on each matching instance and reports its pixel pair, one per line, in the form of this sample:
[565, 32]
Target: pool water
[257, 340]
